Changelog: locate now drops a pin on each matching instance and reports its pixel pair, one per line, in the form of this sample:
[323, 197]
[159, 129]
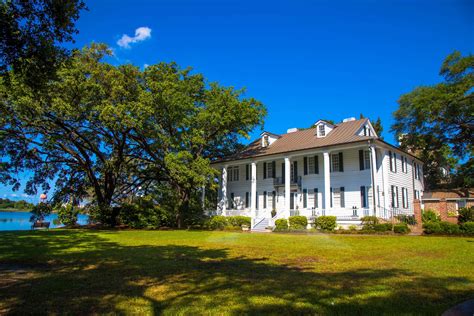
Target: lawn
[170, 272]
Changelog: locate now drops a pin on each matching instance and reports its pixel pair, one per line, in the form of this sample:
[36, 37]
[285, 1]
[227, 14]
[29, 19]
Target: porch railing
[280, 181]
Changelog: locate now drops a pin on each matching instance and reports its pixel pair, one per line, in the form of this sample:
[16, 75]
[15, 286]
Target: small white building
[344, 170]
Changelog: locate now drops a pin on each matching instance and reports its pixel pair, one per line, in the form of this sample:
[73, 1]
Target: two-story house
[344, 170]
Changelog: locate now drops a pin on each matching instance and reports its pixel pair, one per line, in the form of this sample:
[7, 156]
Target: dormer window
[321, 130]
[266, 142]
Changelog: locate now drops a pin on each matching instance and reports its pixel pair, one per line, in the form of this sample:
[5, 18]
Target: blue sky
[305, 60]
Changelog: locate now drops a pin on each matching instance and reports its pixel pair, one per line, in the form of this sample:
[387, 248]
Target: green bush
[218, 222]
[352, 227]
[39, 212]
[281, 224]
[327, 223]
[449, 228]
[401, 228]
[430, 216]
[467, 228]
[298, 222]
[238, 221]
[466, 214]
[432, 228]
[144, 213]
[383, 227]
[67, 215]
[369, 222]
[407, 219]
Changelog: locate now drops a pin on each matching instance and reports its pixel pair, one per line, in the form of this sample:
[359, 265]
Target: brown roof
[305, 139]
[449, 194]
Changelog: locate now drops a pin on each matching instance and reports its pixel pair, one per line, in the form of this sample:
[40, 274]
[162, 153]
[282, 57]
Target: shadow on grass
[81, 272]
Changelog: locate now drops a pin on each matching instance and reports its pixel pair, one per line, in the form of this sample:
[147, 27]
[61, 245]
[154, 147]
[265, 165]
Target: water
[21, 220]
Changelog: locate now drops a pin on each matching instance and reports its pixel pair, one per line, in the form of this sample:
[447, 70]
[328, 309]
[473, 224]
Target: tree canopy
[437, 123]
[105, 132]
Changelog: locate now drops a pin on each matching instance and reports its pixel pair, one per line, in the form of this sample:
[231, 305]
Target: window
[461, 204]
[247, 172]
[316, 202]
[364, 159]
[343, 201]
[404, 164]
[232, 203]
[247, 200]
[264, 199]
[265, 141]
[395, 162]
[378, 195]
[305, 198]
[395, 203]
[270, 169]
[321, 130]
[367, 159]
[310, 165]
[405, 197]
[337, 163]
[236, 173]
[233, 174]
[391, 160]
[417, 194]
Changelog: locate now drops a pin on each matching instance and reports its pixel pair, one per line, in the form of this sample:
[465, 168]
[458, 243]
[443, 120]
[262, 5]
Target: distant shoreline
[14, 210]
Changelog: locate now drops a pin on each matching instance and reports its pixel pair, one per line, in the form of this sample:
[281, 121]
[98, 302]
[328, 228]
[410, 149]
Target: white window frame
[366, 159]
[311, 162]
[335, 162]
[269, 169]
[321, 130]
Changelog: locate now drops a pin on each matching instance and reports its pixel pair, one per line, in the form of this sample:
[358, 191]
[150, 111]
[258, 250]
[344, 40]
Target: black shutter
[305, 198]
[361, 159]
[305, 165]
[247, 172]
[362, 196]
[246, 199]
[316, 164]
[330, 199]
[343, 202]
[391, 161]
[341, 162]
[316, 198]
[273, 169]
[264, 170]
[295, 171]
[264, 199]
[283, 172]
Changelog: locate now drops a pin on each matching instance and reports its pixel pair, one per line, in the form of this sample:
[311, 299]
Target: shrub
[39, 211]
[407, 219]
[466, 214]
[298, 222]
[449, 228]
[432, 228]
[369, 222]
[144, 213]
[383, 227]
[430, 216]
[468, 228]
[281, 224]
[327, 223]
[401, 228]
[238, 221]
[67, 215]
[352, 227]
[218, 222]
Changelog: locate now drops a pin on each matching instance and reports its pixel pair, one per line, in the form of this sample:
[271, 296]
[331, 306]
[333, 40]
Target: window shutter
[361, 159]
[264, 170]
[343, 202]
[341, 162]
[295, 170]
[305, 165]
[305, 198]
[283, 172]
[395, 162]
[247, 173]
[316, 198]
[362, 196]
[246, 199]
[256, 200]
[316, 164]
[264, 199]
[331, 199]
[391, 160]
[274, 169]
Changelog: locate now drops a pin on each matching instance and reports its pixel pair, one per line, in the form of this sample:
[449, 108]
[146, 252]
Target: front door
[292, 201]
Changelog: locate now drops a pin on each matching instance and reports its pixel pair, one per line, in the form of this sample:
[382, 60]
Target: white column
[386, 187]
[327, 182]
[253, 191]
[287, 184]
[373, 171]
[224, 190]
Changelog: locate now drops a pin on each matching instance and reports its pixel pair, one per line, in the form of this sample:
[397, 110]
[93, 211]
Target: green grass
[181, 272]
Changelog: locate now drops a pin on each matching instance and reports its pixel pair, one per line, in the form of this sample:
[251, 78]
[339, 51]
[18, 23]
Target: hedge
[281, 224]
[369, 222]
[383, 227]
[327, 223]
[450, 228]
[468, 228]
[298, 222]
[238, 221]
[401, 228]
[466, 214]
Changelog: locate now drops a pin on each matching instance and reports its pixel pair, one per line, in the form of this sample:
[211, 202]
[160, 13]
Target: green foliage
[466, 214]
[407, 219]
[352, 227]
[401, 228]
[144, 213]
[467, 228]
[326, 223]
[382, 227]
[297, 222]
[435, 122]
[430, 216]
[18, 205]
[432, 228]
[369, 222]
[238, 221]
[39, 212]
[67, 215]
[449, 228]
[218, 222]
[281, 224]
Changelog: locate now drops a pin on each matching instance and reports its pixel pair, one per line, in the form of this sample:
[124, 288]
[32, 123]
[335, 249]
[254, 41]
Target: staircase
[260, 225]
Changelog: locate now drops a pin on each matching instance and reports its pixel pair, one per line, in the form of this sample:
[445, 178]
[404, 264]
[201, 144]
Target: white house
[324, 170]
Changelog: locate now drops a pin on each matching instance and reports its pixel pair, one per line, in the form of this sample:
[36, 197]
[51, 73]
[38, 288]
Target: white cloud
[145, 66]
[141, 34]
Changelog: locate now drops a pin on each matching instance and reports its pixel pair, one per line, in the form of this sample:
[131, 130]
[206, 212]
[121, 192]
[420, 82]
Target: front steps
[261, 225]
